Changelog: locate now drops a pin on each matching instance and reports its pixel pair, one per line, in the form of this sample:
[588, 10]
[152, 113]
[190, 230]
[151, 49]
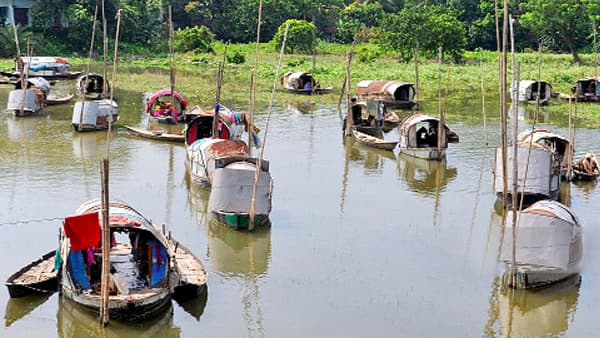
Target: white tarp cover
[540, 177]
[540, 240]
[231, 190]
[93, 109]
[15, 100]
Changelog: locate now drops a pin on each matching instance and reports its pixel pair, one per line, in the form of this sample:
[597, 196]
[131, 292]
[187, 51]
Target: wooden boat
[303, 83]
[581, 175]
[31, 100]
[548, 246]
[555, 143]
[147, 267]
[156, 134]
[372, 137]
[586, 168]
[370, 107]
[394, 94]
[528, 91]
[160, 109]
[53, 99]
[37, 277]
[48, 67]
[587, 90]
[94, 110]
[418, 137]
[224, 164]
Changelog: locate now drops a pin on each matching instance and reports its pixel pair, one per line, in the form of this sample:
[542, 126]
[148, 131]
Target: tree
[426, 26]
[357, 17]
[196, 38]
[558, 20]
[299, 37]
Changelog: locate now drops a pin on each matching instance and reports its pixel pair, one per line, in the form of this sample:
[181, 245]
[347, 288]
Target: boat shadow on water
[424, 176]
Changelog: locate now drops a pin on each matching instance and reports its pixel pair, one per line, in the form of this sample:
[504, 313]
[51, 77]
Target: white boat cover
[541, 179]
[93, 109]
[545, 233]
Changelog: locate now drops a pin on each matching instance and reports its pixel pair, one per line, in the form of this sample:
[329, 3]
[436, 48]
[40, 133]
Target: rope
[262, 148]
[32, 221]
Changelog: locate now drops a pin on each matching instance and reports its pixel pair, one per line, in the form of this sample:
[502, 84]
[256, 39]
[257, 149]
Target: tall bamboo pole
[503, 111]
[172, 58]
[253, 80]
[417, 73]
[259, 160]
[515, 170]
[105, 44]
[440, 128]
[349, 117]
[105, 276]
[483, 111]
[11, 8]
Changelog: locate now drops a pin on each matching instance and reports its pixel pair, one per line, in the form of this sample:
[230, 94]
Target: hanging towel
[83, 231]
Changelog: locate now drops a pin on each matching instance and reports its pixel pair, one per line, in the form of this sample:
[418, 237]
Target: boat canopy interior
[541, 87]
[92, 84]
[298, 80]
[587, 87]
[404, 92]
[162, 98]
[201, 127]
[138, 260]
[423, 134]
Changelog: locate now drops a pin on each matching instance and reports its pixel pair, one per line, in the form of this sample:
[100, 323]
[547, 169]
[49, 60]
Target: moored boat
[31, 100]
[303, 83]
[587, 90]
[48, 67]
[94, 110]
[394, 94]
[548, 246]
[156, 134]
[39, 276]
[224, 164]
[419, 137]
[559, 146]
[165, 107]
[147, 267]
[528, 91]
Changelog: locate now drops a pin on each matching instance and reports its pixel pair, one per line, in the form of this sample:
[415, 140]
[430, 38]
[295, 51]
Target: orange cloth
[83, 230]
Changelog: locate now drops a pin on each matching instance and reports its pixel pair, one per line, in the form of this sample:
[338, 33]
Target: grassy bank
[196, 74]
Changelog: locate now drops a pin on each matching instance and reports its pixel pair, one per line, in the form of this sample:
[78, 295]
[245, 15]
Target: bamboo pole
[515, 169]
[262, 148]
[11, 8]
[417, 73]
[215, 127]
[595, 50]
[105, 276]
[253, 80]
[503, 100]
[112, 90]
[349, 117]
[314, 50]
[105, 43]
[172, 59]
[440, 109]
[483, 111]
[87, 71]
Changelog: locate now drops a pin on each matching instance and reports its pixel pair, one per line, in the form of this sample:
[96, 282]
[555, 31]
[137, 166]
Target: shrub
[195, 38]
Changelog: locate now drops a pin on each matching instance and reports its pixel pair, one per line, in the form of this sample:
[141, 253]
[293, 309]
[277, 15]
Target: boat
[156, 134]
[48, 67]
[587, 90]
[371, 107]
[31, 100]
[394, 94]
[303, 83]
[558, 145]
[164, 107]
[94, 110]
[38, 277]
[528, 91]
[147, 267]
[56, 99]
[224, 164]
[586, 168]
[418, 137]
[548, 246]
[368, 123]
[372, 137]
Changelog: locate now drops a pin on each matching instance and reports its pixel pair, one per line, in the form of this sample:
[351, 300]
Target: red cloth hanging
[83, 230]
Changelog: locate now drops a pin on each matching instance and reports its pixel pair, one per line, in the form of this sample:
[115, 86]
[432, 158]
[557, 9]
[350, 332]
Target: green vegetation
[300, 36]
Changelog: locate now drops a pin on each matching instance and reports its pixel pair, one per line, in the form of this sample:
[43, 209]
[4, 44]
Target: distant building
[18, 11]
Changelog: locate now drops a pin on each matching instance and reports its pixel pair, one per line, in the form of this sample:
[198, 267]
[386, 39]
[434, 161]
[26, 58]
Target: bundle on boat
[224, 164]
[548, 245]
[49, 67]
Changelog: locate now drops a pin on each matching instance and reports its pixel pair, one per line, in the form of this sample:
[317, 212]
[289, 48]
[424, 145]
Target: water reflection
[371, 159]
[75, 321]
[17, 308]
[586, 188]
[541, 312]
[424, 176]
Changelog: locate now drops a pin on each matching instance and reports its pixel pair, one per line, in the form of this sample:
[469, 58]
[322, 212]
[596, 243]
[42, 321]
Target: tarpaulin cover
[83, 230]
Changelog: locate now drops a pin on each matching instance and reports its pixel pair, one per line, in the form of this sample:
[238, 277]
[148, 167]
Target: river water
[363, 243]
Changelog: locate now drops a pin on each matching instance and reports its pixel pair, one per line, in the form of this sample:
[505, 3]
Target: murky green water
[362, 243]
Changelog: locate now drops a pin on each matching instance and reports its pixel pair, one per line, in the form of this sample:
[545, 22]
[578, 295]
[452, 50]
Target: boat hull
[46, 283]
[425, 153]
[156, 135]
[239, 220]
[372, 141]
